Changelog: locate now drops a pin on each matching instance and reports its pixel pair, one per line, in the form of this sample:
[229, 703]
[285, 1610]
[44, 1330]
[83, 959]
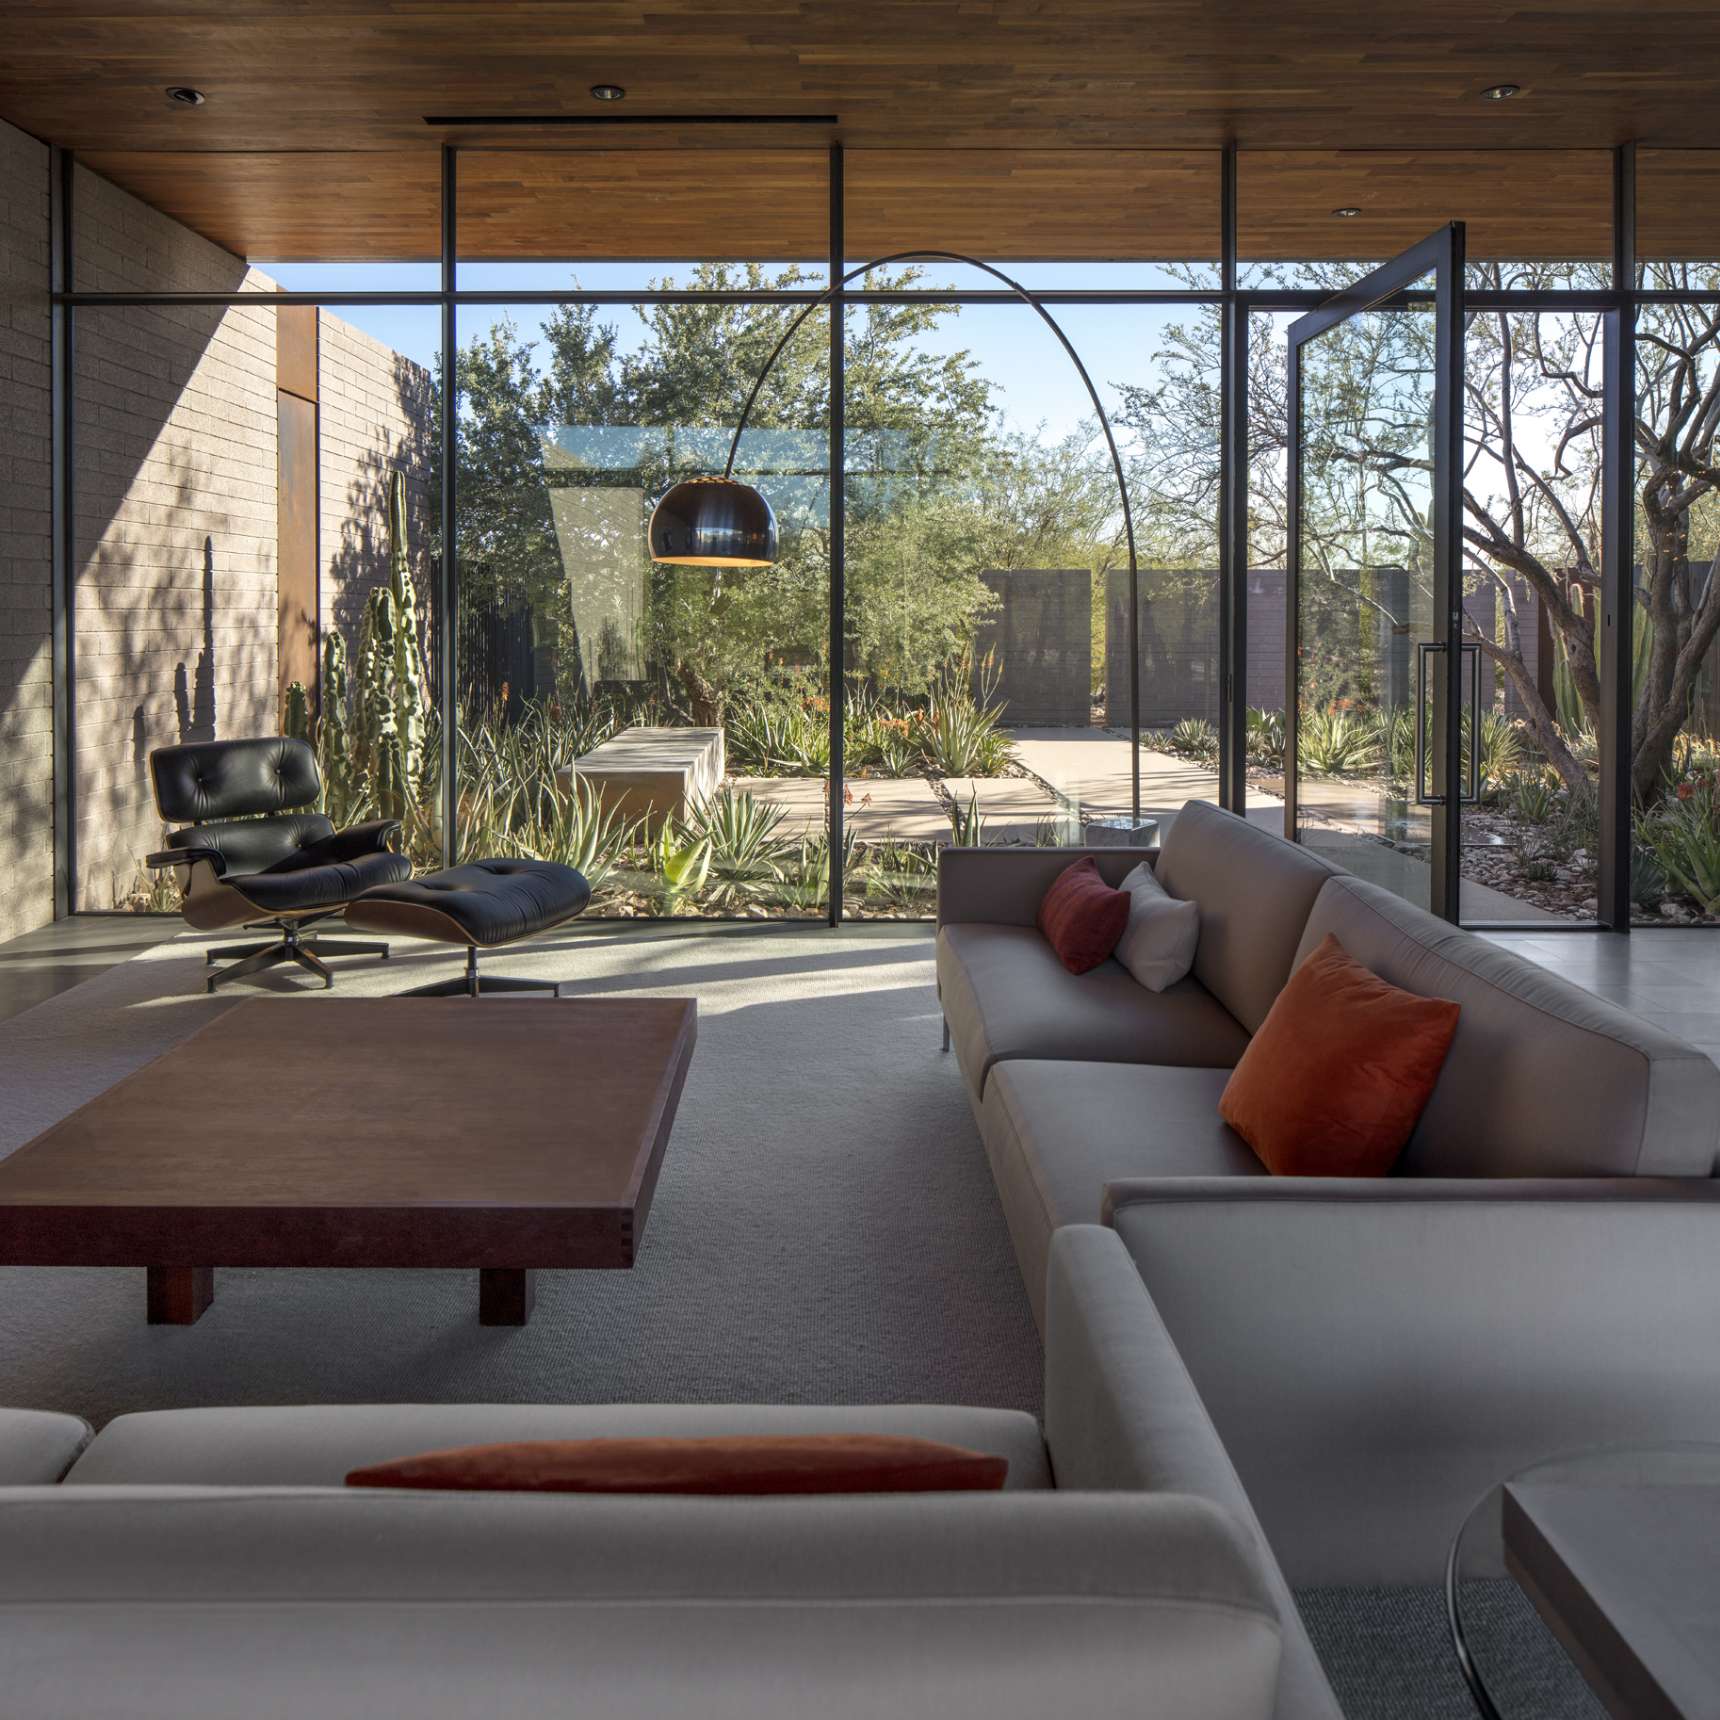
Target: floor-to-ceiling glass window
[999, 687]
[666, 729]
[257, 495]
[1315, 221]
[254, 499]
[1675, 614]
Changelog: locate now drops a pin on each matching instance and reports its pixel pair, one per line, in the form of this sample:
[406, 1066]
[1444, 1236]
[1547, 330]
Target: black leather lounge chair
[249, 856]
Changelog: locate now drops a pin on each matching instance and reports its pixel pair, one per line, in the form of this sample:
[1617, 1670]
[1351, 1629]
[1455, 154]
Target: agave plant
[804, 887]
[1196, 738]
[1498, 752]
[967, 824]
[900, 877]
[1336, 743]
[1530, 795]
[959, 738]
[1265, 738]
[746, 854]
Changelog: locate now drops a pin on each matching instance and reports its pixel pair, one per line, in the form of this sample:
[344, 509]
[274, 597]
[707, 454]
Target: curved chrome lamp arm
[1026, 298]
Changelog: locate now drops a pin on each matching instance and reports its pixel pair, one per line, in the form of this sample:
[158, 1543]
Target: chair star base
[248, 960]
[473, 984]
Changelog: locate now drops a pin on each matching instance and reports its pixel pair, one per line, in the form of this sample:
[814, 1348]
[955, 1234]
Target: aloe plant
[682, 862]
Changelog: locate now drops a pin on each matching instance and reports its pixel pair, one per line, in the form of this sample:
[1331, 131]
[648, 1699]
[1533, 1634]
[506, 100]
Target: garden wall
[1039, 639]
[1179, 644]
[177, 506]
[26, 540]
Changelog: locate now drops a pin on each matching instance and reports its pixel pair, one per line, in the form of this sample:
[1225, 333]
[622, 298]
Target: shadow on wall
[396, 431]
[175, 601]
[195, 703]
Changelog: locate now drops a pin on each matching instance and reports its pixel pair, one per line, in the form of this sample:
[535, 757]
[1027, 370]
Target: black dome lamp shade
[714, 522]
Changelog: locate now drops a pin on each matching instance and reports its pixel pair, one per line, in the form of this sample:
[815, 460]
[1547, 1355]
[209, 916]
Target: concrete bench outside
[652, 773]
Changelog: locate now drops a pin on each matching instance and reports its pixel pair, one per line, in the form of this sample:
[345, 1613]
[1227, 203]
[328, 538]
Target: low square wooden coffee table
[500, 1134]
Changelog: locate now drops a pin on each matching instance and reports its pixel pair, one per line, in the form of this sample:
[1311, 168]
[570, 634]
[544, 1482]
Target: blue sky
[1034, 378]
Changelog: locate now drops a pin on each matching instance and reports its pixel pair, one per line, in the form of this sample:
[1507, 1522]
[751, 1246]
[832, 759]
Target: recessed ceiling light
[607, 92]
[1348, 213]
[1501, 92]
[184, 95]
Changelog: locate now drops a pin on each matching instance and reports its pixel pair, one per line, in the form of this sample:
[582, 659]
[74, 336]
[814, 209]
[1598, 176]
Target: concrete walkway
[1091, 767]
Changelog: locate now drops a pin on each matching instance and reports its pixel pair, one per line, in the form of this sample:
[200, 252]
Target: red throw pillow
[810, 1463]
[1343, 1065]
[1082, 917]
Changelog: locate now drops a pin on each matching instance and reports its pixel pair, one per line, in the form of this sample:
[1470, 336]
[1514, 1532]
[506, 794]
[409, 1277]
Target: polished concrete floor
[43, 963]
[1671, 976]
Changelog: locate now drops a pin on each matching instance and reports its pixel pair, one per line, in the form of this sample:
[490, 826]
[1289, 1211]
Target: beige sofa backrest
[1543, 1078]
[199, 1604]
[1255, 891]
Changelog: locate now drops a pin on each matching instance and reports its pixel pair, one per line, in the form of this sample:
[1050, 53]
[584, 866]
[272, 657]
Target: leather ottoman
[482, 904]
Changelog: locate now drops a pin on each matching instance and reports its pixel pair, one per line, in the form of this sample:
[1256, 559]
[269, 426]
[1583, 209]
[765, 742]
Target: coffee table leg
[505, 1295]
[179, 1294]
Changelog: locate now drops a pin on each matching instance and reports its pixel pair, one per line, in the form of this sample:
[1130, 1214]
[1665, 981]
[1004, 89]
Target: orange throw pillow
[811, 1463]
[1343, 1064]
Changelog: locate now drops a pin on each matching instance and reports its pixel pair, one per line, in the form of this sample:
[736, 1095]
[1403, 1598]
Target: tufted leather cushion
[210, 780]
[290, 888]
[255, 844]
[484, 902]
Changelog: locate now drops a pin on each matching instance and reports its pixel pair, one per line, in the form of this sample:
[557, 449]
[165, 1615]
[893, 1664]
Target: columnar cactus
[411, 691]
[296, 719]
[334, 736]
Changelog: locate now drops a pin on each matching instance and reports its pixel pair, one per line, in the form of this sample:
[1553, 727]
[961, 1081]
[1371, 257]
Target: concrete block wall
[375, 415]
[1039, 640]
[26, 540]
[175, 503]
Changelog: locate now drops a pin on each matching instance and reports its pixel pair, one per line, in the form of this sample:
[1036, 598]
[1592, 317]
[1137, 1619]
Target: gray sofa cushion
[1006, 995]
[315, 1447]
[196, 1604]
[1255, 891]
[38, 1446]
[1056, 1133]
[1121, 1412]
[1543, 1078]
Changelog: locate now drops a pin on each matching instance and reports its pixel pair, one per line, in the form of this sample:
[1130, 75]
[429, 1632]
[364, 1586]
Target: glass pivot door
[1374, 752]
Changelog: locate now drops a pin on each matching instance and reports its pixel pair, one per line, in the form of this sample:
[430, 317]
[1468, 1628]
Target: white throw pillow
[1158, 944]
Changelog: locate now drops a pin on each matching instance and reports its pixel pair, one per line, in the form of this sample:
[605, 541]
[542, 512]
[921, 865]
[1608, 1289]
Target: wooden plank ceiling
[313, 139]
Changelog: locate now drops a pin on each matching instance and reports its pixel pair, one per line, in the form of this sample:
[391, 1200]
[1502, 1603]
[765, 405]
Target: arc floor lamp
[723, 522]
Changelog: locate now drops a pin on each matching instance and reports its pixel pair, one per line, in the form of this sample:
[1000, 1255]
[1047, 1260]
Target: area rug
[825, 1229]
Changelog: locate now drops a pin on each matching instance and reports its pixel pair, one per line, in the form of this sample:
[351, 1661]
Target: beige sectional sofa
[1542, 1272]
[198, 1564]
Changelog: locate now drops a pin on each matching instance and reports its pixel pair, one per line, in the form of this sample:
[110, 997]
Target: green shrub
[1683, 835]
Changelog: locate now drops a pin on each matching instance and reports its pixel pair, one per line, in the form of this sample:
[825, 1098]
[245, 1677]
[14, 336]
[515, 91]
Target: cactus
[296, 721]
[334, 737]
[388, 776]
[393, 686]
[411, 691]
